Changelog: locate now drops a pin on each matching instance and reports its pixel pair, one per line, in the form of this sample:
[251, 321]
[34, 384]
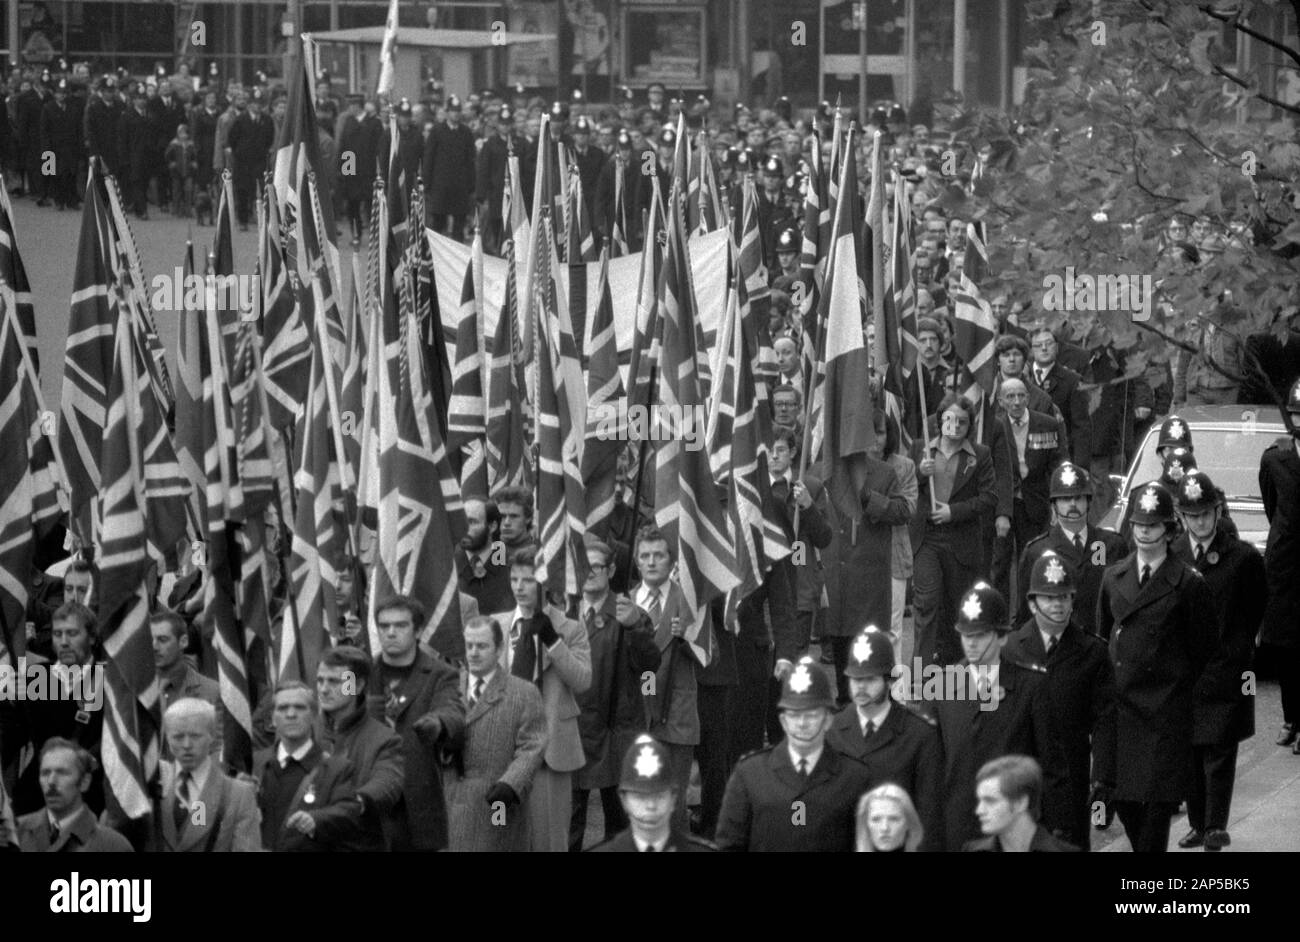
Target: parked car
[1228, 442]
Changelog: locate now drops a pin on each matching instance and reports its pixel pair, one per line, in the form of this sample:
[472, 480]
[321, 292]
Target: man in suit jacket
[1080, 687]
[417, 693]
[505, 737]
[1159, 617]
[1062, 384]
[66, 823]
[307, 798]
[1086, 550]
[648, 794]
[482, 569]
[991, 706]
[1223, 713]
[176, 678]
[622, 650]
[1036, 445]
[946, 539]
[201, 809]
[374, 748]
[894, 741]
[551, 651]
[820, 784]
[1008, 795]
[685, 642]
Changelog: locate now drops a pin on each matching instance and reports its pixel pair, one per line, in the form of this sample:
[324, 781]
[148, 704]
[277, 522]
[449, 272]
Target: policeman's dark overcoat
[448, 169]
[1279, 485]
[1224, 712]
[1101, 548]
[1162, 636]
[1081, 691]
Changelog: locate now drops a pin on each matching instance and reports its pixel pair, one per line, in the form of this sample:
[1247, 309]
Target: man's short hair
[294, 683]
[517, 495]
[595, 545]
[1041, 329]
[82, 566]
[171, 619]
[525, 558]
[75, 611]
[784, 433]
[187, 707]
[788, 388]
[487, 621]
[1017, 777]
[649, 533]
[928, 325]
[1009, 342]
[961, 402]
[349, 658]
[412, 607]
[85, 761]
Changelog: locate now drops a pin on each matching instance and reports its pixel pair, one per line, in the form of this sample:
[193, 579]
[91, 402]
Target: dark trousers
[714, 752]
[938, 582]
[749, 702]
[1214, 772]
[679, 762]
[138, 194]
[1288, 678]
[65, 179]
[840, 652]
[615, 816]
[245, 192]
[1007, 550]
[1147, 824]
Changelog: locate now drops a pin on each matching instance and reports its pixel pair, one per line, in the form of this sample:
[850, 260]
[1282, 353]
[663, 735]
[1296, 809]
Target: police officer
[1158, 616]
[649, 796]
[895, 741]
[788, 244]
[588, 157]
[448, 173]
[797, 795]
[410, 150]
[490, 178]
[103, 117]
[1223, 713]
[992, 705]
[633, 189]
[61, 135]
[1080, 685]
[1279, 485]
[773, 215]
[1174, 433]
[1086, 550]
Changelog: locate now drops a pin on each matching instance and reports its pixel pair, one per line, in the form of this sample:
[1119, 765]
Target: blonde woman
[887, 821]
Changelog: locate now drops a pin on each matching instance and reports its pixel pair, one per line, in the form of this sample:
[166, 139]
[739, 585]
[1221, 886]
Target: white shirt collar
[642, 844]
[879, 721]
[486, 678]
[198, 778]
[812, 758]
[1069, 537]
[643, 594]
[1046, 637]
[1204, 545]
[283, 755]
[64, 822]
[989, 672]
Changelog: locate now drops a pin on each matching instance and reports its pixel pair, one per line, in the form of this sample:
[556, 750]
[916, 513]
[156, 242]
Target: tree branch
[1267, 99]
[1137, 179]
[1235, 20]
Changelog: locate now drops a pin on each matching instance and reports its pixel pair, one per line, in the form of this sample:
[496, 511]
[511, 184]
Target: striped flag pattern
[896, 347]
[606, 398]
[286, 347]
[975, 330]
[15, 289]
[466, 416]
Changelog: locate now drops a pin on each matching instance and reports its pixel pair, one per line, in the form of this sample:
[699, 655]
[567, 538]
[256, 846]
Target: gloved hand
[544, 629]
[502, 792]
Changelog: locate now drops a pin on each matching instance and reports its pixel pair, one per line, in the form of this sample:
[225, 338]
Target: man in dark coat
[410, 149]
[1080, 686]
[1224, 710]
[61, 135]
[797, 795]
[138, 135]
[448, 171]
[203, 128]
[103, 125]
[31, 102]
[589, 158]
[893, 740]
[417, 694]
[645, 788]
[992, 705]
[490, 179]
[358, 152]
[1279, 485]
[946, 540]
[622, 650]
[1062, 384]
[248, 148]
[482, 569]
[633, 190]
[1087, 550]
[168, 114]
[1158, 616]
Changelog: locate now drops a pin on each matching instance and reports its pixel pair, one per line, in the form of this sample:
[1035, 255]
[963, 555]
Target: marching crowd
[1062, 673]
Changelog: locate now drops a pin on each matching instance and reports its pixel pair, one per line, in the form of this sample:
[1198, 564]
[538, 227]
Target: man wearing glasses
[1062, 385]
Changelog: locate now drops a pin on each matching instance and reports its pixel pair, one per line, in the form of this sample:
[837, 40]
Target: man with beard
[482, 567]
[1159, 618]
[797, 795]
[648, 798]
[1080, 688]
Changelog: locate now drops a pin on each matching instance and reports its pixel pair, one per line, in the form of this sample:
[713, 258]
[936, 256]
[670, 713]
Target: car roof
[1207, 416]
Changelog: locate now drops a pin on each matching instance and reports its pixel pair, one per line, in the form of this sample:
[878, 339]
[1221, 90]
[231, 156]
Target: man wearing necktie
[1062, 384]
[1080, 686]
[66, 823]
[1087, 550]
[1224, 712]
[1159, 617]
[648, 795]
[552, 652]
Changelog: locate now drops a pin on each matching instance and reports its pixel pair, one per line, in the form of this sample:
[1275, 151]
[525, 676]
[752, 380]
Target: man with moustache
[893, 740]
[1086, 550]
[66, 823]
[1223, 712]
[1080, 687]
[1158, 615]
[648, 798]
[482, 567]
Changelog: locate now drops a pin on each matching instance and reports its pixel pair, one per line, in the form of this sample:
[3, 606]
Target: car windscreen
[1230, 458]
